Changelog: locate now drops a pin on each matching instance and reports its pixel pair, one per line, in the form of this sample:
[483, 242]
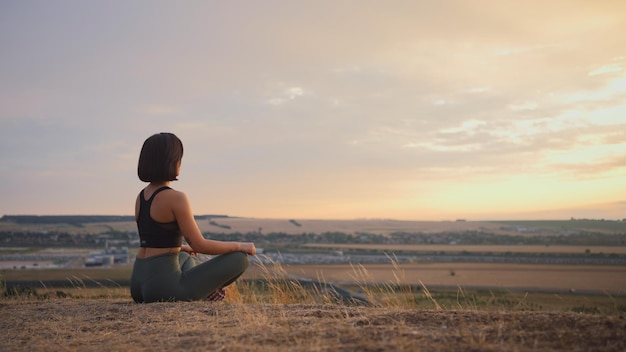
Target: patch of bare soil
[120, 325]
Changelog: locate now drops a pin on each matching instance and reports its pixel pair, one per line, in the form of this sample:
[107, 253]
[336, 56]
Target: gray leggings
[178, 277]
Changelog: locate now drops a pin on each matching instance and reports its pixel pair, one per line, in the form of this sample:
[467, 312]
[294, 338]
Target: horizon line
[6, 217]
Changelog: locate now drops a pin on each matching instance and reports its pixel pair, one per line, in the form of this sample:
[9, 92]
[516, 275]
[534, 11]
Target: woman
[164, 269]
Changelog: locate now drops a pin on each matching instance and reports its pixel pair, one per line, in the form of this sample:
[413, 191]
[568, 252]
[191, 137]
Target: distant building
[108, 257]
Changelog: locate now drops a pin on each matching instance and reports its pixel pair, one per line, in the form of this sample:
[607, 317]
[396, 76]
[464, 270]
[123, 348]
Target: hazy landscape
[415, 175]
[364, 284]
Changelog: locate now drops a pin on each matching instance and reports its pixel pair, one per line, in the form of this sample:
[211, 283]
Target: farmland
[534, 249]
[225, 224]
[567, 255]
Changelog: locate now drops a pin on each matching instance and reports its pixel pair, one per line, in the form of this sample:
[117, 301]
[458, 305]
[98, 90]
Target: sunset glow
[337, 110]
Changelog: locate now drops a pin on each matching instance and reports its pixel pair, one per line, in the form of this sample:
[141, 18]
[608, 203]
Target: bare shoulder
[177, 197]
[176, 193]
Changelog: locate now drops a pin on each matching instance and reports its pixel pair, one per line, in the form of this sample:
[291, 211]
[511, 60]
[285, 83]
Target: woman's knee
[236, 261]
[240, 259]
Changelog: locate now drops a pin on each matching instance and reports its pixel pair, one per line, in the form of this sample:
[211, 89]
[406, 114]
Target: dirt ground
[120, 325]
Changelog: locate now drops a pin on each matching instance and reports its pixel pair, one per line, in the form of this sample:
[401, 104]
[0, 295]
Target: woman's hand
[188, 249]
[247, 247]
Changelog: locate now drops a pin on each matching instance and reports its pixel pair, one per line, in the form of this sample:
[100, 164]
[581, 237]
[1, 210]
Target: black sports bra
[155, 234]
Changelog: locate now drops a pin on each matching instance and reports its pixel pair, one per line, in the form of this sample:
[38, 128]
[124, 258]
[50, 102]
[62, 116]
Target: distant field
[476, 248]
[92, 228]
[560, 277]
[386, 226]
[565, 225]
[374, 226]
[86, 274]
[531, 277]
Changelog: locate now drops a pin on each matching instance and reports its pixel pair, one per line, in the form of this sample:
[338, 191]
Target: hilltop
[120, 325]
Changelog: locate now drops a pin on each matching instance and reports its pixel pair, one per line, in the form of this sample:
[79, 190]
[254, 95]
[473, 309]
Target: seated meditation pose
[166, 269]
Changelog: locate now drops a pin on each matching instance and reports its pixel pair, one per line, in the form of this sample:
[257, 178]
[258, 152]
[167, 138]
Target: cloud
[611, 68]
[286, 95]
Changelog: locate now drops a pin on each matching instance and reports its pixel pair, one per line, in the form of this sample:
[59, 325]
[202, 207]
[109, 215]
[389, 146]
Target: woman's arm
[191, 232]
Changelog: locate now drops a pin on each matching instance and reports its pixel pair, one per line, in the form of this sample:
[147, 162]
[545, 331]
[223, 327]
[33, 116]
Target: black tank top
[155, 234]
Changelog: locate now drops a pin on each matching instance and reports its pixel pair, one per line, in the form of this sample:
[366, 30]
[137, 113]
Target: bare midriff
[146, 252]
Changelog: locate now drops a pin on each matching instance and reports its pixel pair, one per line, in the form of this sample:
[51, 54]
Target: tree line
[61, 239]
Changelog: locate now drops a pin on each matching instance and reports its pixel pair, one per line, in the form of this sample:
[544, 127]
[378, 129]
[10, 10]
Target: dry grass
[119, 325]
[280, 314]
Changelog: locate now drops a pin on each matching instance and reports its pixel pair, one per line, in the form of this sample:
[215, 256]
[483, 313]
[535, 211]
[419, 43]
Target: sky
[351, 109]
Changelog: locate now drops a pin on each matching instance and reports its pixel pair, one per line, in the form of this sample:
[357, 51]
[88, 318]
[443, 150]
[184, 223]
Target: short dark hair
[159, 158]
